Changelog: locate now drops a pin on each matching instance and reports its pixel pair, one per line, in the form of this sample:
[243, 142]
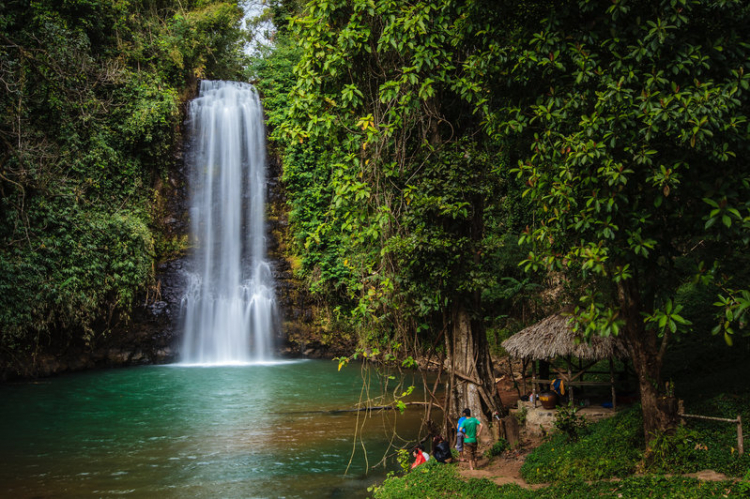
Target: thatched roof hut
[553, 337]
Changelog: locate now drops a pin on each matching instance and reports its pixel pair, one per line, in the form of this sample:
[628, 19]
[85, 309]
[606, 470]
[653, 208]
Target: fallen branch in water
[379, 407]
[360, 409]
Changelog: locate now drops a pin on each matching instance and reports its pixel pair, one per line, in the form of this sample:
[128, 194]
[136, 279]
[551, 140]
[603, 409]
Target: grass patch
[614, 448]
[713, 445]
[434, 480]
[611, 448]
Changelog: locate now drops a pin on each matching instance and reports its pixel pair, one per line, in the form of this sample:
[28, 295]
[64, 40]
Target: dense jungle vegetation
[423, 141]
[91, 94]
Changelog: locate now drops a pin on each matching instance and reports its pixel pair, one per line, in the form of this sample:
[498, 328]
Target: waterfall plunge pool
[193, 432]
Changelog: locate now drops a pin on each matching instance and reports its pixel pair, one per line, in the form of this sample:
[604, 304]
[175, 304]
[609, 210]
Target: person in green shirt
[473, 428]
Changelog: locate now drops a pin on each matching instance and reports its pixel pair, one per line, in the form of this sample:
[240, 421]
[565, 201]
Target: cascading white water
[229, 307]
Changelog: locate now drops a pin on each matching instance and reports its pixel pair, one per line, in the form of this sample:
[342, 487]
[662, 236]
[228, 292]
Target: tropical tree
[393, 184]
[631, 122]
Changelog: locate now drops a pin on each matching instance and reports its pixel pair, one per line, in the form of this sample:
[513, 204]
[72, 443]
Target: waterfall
[229, 307]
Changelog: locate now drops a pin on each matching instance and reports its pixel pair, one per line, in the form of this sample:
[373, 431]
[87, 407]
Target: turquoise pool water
[269, 430]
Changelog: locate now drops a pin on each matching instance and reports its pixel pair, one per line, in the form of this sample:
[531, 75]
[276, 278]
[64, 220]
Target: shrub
[670, 453]
[569, 422]
[521, 415]
[743, 486]
[615, 447]
[497, 448]
[433, 480]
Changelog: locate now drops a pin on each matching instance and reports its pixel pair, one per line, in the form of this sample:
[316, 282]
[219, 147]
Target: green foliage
[420, 140]
[400, 208]
[612, 448]
[668, 319]
[623, 144]
[203, 41]
[83, 260]
[733, 314]
[674, 452]
[497, 448]
[521, 415]
[569, 422]
[628, 124]
[615, 447]
[403, 457]
[744, 486]
[632, 130]
[435, 480]
[90, 118]
[145, 120]
[716, 442]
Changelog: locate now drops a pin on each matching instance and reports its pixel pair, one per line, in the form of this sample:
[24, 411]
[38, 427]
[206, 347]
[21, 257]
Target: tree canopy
[609, 139]
[635, 118]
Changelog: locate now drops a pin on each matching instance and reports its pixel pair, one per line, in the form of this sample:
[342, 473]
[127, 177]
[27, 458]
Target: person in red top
[420, 456]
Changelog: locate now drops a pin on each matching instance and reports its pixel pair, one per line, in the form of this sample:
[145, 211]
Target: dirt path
[503, 469]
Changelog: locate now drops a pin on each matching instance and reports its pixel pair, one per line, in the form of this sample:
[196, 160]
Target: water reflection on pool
[267, 430]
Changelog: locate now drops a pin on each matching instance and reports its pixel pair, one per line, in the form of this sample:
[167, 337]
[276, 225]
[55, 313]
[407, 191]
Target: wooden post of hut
[612, 382]
[570, 384]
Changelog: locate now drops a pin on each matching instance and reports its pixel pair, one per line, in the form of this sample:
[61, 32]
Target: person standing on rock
[473, 428]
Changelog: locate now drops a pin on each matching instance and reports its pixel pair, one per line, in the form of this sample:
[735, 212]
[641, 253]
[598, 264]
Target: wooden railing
[738, 422]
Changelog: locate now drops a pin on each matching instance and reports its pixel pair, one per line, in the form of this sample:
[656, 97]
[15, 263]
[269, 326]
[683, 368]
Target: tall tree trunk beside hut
[646, 353]
[471, 382]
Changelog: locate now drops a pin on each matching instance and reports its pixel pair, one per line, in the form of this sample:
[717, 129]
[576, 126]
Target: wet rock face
[156, 323]
[172, 278]
[152, 336]
[301, 334]
[291, 299]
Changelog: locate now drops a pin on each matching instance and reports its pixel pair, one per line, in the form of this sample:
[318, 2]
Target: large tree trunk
[471, 379]
[658, 403]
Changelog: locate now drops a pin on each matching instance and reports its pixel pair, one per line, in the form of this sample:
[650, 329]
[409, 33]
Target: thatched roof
[553, 337]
